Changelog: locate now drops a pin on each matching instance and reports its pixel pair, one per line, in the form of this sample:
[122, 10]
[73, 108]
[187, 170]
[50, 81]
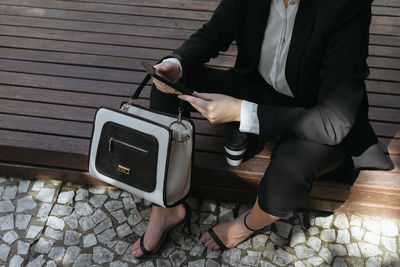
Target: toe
[136, 251]
[205, 237]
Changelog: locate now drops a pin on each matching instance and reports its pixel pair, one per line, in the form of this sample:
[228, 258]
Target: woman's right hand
[170, 69]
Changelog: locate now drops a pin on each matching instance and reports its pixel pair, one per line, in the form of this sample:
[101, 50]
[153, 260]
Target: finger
[195, 101]
[204, 96]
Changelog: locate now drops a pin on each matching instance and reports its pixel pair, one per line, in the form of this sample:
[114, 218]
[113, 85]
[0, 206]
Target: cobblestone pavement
[50, 223]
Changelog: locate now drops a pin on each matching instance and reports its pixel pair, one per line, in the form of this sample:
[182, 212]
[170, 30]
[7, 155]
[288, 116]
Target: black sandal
[218, 240]
[186, 220]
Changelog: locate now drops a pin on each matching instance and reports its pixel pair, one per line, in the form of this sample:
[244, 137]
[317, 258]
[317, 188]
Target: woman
[298, 81]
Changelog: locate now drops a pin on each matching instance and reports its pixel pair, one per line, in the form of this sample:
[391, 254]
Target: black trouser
[294, 163]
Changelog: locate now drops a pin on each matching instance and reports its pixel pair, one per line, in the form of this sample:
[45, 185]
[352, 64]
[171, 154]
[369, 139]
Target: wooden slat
[126, 19]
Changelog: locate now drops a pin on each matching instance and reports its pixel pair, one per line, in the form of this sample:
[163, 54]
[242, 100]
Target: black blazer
[326, 67]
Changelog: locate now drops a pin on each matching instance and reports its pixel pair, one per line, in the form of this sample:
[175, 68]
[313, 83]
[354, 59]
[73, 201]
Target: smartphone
[165, 79]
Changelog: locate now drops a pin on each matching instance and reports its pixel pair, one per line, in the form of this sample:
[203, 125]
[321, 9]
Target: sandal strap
[247, 226]
[216, 239]
[144, 250]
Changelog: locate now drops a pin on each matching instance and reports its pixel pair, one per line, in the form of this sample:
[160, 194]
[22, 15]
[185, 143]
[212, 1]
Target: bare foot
[161, 219]
[231, 234]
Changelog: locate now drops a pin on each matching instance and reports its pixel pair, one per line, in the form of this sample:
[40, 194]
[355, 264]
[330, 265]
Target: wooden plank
[393, 3]
[384, 114]
[385, 30]
[386, 11]
[381, 100]
[389, 130]
[112, 9]
[16, 23]
[100, 49]
[384, 62]
[382, 87]
[384, 20]
[126, 19]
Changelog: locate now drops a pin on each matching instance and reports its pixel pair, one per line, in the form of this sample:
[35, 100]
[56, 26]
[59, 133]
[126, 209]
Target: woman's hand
[216, 108]
[170, 69]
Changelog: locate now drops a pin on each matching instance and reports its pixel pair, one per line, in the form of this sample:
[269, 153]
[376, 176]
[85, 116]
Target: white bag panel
[162, 135]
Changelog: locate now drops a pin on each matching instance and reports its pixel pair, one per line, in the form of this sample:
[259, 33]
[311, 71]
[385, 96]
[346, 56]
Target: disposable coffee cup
[235, 146]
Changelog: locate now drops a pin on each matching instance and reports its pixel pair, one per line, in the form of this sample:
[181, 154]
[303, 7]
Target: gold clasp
[123, 169]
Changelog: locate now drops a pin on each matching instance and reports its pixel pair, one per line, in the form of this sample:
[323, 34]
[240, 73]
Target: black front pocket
[128, 156]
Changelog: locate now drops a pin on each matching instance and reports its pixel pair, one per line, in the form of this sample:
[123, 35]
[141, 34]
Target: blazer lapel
[303, 26]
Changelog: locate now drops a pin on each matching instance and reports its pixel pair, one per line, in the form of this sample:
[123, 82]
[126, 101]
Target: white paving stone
[98, 216]
[268, 264]
[16, 261]
[341, 221]
[357, 232]
[22, 247]
[225, 216]
[140, 228]
[374, 262]
[372, 238]
[259, 240]
[10, 237]
[196, 263]
[324, 222]
[369, 250]
[119, 264]
[70, 255]
[97, 200]
[33, 231]
[121, 247]
[94, 189]
[338, 250]
[86, 223]
[114, 193]
[252, 258]
[83, 208]
[54, 234]
[198, 249]
[269, 251]
[61, 210]
[71, 220]
[129, 203]
[343, 237]
[339, 262]
[352, 250]
[213, 254]
[22, 221]
[328, 235]
[304, 252]
[355, 220]
[177, 257]
[112, 205]
[134, 218]
[372, 225]
[72, 238]
[37, 185]
[55, 223]
[4, 252]
[37, 262]
[244, 245]
[81, 194]
[6, 206]
[66, 197]
[313, 230]
[327, 255]
[389, 228]
[57, 253]
[89, 240]
[124, 230]
[389, 243]
[102, 255]
[282, 257]
[43, 246]
[119, 215]
[106, 236]
[315, 261]
[51, 264]
[46, 194]
[44, 210]
[9, 192]
[103, 226]
[298, 236]
[23, 186]
[314, 243]
[26, 203]
[83, 260]
[391, 259]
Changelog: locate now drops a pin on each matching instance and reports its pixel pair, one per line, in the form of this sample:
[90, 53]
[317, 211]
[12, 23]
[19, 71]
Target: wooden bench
[60, 60]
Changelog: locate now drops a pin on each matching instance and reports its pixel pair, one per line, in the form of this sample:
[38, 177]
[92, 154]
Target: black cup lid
[236, 140]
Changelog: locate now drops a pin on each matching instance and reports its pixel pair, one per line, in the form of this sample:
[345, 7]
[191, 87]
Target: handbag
[145, 152]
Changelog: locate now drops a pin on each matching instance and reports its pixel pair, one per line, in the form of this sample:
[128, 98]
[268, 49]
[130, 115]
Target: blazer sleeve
[342, 88]
[214, 36]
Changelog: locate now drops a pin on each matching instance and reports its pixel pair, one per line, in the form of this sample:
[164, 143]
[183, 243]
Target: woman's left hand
[216, 108]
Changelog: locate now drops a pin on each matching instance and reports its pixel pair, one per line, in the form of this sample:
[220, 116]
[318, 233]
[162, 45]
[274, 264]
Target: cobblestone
[55, 224]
